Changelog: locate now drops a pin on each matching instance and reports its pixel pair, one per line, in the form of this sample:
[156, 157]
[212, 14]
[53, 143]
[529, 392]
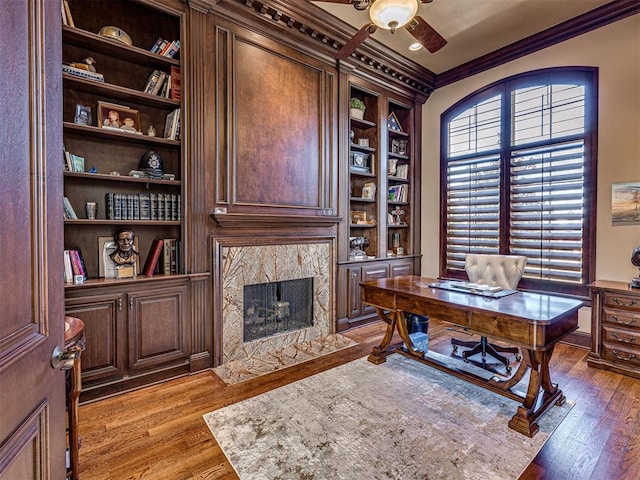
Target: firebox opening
[277, 307]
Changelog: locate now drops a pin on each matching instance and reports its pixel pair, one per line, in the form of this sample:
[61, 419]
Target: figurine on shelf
[112, 120]
[395, 216]
[86, 64]
[125, 252]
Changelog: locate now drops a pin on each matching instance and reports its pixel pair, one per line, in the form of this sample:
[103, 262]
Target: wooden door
[32, 435]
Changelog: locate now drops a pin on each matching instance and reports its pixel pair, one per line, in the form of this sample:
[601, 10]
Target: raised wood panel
[157, 332]
[32, 322]
[103, 319]
[354, 303]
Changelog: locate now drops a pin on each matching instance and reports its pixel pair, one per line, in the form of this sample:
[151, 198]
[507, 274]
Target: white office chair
[495, 270]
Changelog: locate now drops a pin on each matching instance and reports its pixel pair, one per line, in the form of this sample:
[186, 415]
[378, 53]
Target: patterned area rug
[240, 370]
[400, 420]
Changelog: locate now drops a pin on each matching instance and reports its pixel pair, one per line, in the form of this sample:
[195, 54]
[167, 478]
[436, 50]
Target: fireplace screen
[277, 307]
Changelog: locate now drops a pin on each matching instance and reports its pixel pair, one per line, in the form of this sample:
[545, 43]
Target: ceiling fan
[391, 15]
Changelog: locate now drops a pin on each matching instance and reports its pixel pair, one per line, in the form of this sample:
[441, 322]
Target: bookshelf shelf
[100, 177]
[105, 133]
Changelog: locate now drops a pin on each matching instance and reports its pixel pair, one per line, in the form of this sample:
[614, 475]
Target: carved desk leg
[541, 393]
[380, 353]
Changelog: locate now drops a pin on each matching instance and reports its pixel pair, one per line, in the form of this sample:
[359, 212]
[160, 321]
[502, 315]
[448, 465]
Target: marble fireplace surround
[252, 264]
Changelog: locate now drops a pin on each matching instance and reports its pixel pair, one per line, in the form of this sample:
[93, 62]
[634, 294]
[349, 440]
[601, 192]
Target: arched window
[518, 166]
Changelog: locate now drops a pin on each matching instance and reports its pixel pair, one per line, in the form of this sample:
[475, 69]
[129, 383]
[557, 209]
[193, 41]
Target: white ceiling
[472, 27]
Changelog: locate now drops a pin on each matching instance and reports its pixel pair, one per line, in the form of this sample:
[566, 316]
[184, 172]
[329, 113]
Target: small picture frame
[83, 115]
[369, 193]
[393, 123]
[107, 267]
[118, 117]
[358, 217]
[363, 142]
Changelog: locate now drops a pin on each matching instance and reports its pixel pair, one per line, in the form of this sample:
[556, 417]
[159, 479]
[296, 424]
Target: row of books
[143, 206]
[398, 193]
[74, 266]
[165, 256]
[164, 84]
[166, 48]
[69, 213]
[67, 19]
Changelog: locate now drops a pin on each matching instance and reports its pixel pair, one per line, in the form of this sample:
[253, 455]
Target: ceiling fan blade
[355, 41]
[425, 34]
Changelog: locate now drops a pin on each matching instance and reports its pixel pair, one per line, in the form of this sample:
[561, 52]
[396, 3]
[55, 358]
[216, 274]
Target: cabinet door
[372, 272]
[104, 318]
[354, 301]
[157, 327]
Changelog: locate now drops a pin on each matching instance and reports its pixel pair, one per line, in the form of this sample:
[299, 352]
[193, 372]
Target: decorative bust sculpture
[125, 252]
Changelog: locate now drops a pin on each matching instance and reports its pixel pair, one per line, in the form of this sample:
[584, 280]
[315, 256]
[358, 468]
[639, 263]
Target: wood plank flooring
[158, 432]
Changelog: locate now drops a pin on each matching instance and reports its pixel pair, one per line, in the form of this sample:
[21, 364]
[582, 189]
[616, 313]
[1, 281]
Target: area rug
[245, 369]
[400, 420]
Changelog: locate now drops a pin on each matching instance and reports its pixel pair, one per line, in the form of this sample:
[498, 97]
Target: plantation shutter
[517, 169]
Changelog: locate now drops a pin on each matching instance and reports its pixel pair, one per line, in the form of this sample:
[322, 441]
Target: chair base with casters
[486, 348]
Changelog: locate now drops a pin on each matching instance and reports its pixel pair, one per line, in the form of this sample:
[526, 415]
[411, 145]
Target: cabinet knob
[120, 304]
[131, 303]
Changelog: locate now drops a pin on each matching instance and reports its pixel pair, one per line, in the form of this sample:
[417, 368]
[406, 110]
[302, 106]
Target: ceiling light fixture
[414, 47]
[392, 14]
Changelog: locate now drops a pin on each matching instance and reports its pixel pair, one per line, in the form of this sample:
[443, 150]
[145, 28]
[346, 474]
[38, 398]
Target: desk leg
[380, 353]
[541, 393]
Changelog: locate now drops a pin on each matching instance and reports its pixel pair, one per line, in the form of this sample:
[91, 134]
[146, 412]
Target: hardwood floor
[158, 432]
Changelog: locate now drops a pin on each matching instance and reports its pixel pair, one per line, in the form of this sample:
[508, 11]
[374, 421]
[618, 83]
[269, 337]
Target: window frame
[586, 76]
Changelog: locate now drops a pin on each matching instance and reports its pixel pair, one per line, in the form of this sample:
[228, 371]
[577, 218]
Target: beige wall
[615, 49]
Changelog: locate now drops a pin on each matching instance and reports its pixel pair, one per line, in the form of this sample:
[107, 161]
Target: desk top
[410, 291]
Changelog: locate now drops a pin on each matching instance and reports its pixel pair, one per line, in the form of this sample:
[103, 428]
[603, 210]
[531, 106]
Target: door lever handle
[63, 359]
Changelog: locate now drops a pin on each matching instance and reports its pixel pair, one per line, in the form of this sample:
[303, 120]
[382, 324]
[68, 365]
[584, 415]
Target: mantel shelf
[248, 220]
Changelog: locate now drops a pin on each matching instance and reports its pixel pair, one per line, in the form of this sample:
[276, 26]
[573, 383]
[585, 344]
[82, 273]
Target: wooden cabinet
[615, 328]
[136, 333]
[352, 275]
[381, 235]
[135, 327]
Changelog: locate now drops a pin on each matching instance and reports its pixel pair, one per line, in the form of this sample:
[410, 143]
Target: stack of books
[143, 206]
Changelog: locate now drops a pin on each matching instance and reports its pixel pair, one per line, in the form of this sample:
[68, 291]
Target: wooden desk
[533, 322]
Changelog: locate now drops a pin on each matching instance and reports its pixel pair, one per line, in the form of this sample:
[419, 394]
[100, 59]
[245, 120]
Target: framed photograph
[363, 142]
[83, 115]
[118, 117]
[358, 216]
[107, 267]
[393, 123]
[368, 193]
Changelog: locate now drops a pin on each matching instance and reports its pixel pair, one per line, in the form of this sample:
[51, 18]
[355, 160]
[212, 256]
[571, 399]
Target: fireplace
[277, 307]
[259, 283]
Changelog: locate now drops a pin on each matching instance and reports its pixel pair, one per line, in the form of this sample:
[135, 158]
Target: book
[75, 263]
[160, 43]
[165, 265]
[172, 50]
[171, 124]
[83, 266]
[69, 212]
[174, 91]
[77, 163]
[152, 81]
[159, 84]
[63, 13]
[78, 72]
[68, 272]
[67, 11]
[68, 164]
[157, 247]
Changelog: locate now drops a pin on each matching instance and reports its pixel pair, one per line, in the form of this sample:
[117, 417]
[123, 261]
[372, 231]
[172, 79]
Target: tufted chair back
[496, 270]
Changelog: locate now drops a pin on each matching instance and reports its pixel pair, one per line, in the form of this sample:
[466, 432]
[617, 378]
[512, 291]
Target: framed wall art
[118, 117]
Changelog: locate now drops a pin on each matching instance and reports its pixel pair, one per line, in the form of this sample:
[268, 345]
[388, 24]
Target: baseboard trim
[578, 339]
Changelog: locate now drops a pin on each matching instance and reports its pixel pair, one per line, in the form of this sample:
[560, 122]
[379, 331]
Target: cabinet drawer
[622, 318]
[631, 302]
[628, 338]
[621, 354]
